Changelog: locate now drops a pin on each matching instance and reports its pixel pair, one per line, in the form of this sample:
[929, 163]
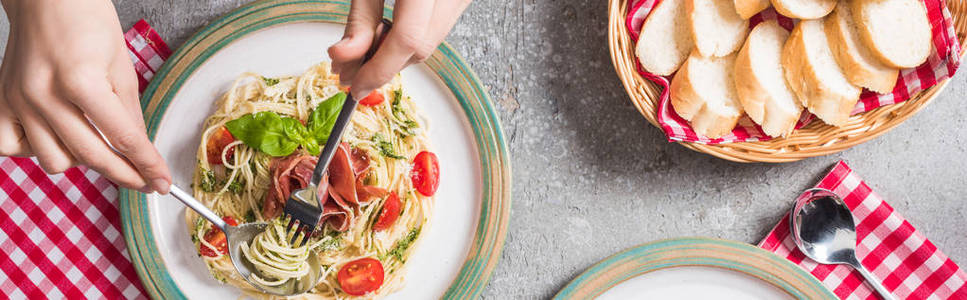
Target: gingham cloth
[61, 234]
[939, 66]
[905, 261]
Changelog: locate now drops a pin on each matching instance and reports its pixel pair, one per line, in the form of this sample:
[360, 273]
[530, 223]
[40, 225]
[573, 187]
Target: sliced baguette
[760, 83]
[665, 39]
[703, 92]
[804, 9]
[748, 8]
[717, 28]
[815, 77]
[862, 68]
[897, 31]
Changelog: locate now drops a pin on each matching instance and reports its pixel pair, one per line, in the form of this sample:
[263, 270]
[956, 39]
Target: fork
[304, 205]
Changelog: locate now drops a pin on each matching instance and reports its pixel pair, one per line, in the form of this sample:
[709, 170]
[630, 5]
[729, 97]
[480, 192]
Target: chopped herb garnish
[329, 245]
[236, 187]
[270, 81]
[398, 111]
[250, 216]
[208, 181]
[402, 245]
[385, 147]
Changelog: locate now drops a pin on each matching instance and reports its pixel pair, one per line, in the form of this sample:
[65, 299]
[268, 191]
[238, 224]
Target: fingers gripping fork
[304, 206]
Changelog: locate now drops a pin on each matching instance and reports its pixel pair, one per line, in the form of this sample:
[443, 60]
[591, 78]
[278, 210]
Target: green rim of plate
[445, 62]
[695, 251]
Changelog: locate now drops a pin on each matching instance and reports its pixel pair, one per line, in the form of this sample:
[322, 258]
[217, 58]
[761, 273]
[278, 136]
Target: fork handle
[335, 136]
[194, 204]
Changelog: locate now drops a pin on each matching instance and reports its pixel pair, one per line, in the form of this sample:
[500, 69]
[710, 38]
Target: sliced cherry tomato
[391, 212]
[228, 219]
[374, 98]
[217, 238]
[426, 173]
[360, 276]
[217, 143]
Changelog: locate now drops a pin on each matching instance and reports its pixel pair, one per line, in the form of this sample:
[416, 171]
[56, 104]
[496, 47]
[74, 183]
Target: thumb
[361, 23]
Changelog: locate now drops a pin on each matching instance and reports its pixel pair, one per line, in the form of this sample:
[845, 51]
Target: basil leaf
[268, 132]
[323, 118]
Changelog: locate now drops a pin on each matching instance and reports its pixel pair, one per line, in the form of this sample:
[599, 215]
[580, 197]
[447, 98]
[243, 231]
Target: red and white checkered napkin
[60, 235]
[939, 66]
[903, 259]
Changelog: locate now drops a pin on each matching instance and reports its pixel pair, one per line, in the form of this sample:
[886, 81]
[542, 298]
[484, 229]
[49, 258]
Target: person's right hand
[65, 71]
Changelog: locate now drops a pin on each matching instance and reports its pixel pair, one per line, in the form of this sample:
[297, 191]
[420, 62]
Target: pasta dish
[262, 142]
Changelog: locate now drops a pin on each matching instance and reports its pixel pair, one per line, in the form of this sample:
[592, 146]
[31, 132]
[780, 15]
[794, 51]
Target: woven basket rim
[815, 139]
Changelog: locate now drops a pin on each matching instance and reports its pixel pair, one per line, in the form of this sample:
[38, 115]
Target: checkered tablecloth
[905, 261]
[61, 234]
[939, 66]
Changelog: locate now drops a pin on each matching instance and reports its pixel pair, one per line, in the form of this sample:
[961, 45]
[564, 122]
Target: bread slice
[760, 84]
[665, 40]
[804, 9]
[717, 28]
[703, 92]
[748, 8]
[862, 68]
[897, 31]
[815, 77]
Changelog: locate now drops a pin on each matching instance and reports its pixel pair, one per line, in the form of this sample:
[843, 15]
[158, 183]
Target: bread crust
[757, 101]
[833, 107]
[885, 49]
[748, 8]
[691, 105]
[854, 57]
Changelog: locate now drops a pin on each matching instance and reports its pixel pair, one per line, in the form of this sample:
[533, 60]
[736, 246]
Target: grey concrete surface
[592, 177]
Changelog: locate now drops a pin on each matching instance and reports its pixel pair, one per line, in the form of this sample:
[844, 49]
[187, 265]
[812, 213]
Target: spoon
[236, 236]
[824, 230]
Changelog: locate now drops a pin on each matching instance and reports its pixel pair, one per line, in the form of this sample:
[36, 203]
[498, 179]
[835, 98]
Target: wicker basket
[814, 139]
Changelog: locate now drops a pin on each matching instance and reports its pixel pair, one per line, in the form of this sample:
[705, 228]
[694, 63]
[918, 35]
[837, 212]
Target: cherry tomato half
[374, 98]
[360, 276]
[391, 212]
[217, 143]
[217, 238]
[426, 173]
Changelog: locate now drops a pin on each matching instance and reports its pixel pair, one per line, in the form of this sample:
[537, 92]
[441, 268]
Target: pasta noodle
[236, 184]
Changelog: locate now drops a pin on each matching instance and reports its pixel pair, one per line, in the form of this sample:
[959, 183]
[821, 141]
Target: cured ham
[341, 190]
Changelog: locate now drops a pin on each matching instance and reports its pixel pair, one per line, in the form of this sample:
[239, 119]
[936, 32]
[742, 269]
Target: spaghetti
[254, 150]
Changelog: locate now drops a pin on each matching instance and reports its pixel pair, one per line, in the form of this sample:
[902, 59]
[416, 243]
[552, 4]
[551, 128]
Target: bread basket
[814, 139]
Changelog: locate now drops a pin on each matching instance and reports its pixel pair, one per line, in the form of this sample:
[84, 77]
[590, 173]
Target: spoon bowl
[244, 234]
[823, 229]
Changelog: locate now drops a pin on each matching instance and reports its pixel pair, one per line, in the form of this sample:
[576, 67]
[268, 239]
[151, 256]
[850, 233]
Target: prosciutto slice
[341, 190]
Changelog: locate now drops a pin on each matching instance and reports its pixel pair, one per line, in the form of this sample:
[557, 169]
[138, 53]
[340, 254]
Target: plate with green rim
[695, 268]
[457, 252]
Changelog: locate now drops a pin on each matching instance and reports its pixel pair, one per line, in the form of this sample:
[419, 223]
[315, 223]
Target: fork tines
[303, 217]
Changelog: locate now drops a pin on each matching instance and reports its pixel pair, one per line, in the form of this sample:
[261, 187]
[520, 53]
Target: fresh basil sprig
[277, 135]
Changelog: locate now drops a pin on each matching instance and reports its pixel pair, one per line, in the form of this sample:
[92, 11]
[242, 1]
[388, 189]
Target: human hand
[419, 26]
[66, 70]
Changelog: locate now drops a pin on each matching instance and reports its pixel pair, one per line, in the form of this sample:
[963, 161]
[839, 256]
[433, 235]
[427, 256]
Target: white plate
[289, 49]
[695, 268]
